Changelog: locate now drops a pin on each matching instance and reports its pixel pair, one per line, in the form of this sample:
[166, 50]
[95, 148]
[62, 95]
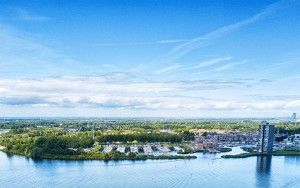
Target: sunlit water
[208, 170]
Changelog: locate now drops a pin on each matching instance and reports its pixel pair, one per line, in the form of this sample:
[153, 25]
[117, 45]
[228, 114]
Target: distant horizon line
[138, 117]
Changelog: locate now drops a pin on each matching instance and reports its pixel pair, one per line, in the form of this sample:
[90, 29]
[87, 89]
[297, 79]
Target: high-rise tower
[294, 117]
[266, 138]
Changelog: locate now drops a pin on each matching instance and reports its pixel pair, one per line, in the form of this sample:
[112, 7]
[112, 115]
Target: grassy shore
[135, 158]
[102, 156]
[286, 153]
[275, 153]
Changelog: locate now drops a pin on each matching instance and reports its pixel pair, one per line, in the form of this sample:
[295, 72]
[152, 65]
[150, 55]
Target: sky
[142, 58]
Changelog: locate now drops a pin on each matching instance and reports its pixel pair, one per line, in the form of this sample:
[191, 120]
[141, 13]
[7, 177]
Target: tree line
[140, 137]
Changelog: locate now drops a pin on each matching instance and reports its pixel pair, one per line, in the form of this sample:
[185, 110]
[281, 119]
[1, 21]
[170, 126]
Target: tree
[37, 152]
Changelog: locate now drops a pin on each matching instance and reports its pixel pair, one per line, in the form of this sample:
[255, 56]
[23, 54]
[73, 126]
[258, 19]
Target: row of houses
[145, 149]
[212, 140]
[292, 142]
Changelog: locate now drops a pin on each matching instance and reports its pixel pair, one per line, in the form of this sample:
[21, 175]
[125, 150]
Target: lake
[208, 170]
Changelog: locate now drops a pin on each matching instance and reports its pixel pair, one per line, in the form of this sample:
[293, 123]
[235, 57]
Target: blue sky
[150, 58]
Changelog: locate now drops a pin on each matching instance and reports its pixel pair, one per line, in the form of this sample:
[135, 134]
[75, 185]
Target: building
[294, 117]
[266, 138]
[297, 138]
[292, 142]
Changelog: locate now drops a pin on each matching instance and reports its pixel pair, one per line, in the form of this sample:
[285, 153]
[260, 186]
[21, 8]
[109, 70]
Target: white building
[297, 138]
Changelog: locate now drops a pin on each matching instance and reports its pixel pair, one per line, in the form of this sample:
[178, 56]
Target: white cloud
[111, 92]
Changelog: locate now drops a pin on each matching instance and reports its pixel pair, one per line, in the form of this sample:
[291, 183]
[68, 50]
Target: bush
[132, 155]
[37, 152]
[9, 147]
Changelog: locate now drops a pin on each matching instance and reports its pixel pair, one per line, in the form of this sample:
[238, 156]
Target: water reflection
[292, 160]
[207, 171]
[41, 163]
[263, 169]
[9, 156]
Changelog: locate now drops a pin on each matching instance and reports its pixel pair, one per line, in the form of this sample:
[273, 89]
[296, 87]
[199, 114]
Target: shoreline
[103, 158]
[254, 154]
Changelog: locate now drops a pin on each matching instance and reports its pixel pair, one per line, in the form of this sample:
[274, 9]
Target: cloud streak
[212, 62]
[168, 69]
[202, 41]
[212, 65]
[160, 42]
[19, 51]
[229, 66]
[26, 16]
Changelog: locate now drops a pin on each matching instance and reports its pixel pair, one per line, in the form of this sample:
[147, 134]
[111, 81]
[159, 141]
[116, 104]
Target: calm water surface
[207, 170]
